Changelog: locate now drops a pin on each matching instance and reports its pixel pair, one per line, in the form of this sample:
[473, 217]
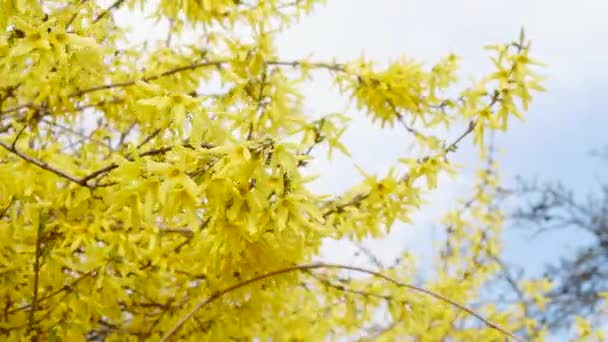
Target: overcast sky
[561, 126]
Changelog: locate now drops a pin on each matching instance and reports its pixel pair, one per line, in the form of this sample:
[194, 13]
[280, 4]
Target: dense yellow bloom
[129, 192]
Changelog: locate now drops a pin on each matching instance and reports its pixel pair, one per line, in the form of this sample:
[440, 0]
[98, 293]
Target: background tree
[580, 278]
[155, 192]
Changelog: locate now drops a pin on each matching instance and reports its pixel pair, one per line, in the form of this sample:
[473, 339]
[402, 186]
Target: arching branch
[218, 294]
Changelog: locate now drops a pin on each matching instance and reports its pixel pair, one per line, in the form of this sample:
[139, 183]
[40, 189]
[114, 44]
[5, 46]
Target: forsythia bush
[137, 205]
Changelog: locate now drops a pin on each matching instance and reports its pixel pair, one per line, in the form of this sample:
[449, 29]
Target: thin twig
[147, 79]
[357, 199]
[19, 134]
[343, 288]
[8, 206]
[43, 165]
[218, 294]
[152, 152]
[73, 131]
[318, 65]
[261, 107]
[54, 293]
[107, 11]
[149, 137]
[38, 255]
[74, 16]
[170, 33]
[124, 134]
[373, 258]
[193, 66]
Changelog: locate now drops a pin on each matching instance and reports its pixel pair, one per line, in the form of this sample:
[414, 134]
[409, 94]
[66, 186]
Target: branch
[360, 197]
[373, 258]
[74, 15]
[193, 66]
[218, 294]
[147, 79]
[119, 85]
[38, 255]
[113, 166]
[318, 65]
[149, 137]
[327, 283]
[73, 131]
[8, 206]
[56, 292]
[261, 106]
[43, 165]
[454, 144]
[107, 11]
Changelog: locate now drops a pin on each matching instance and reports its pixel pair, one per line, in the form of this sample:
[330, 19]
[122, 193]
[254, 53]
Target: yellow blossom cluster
[135, 205]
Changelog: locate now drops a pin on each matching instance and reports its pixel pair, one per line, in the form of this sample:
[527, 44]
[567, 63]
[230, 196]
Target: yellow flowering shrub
[136, 205]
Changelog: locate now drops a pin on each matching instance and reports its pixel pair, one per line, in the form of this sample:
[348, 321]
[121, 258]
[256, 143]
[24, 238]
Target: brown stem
[107, 11]
[54, 293]
[295, 64]
[34, 306]
[218, 294]
[42, 164]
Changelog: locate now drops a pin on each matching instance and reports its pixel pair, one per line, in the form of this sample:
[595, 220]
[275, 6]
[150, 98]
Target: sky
[561, 127]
